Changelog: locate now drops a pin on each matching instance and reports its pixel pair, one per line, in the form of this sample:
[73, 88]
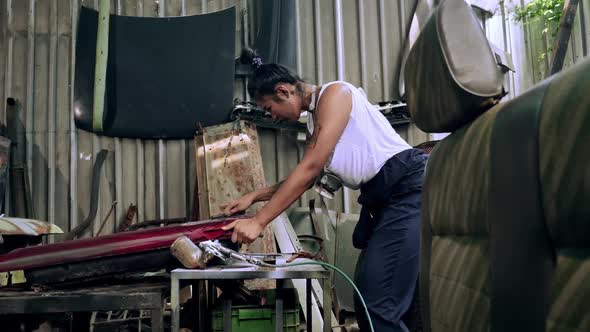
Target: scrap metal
[22, 226]
[111, 245]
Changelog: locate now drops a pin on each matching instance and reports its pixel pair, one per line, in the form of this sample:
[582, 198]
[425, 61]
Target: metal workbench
[242, 272]
[140, 296]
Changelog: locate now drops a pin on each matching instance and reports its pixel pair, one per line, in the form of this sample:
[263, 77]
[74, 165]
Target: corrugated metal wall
[526, 43]
[36, 68]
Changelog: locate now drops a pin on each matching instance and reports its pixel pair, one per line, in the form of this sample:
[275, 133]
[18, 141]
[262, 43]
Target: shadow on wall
[31, 200]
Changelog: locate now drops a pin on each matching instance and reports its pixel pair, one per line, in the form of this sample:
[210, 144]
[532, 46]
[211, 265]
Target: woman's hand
[237, 205]
[245, 230]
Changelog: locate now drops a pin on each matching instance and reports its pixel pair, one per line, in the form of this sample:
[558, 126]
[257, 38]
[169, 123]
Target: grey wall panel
[352, 56]
[326, 38]
[374, 86]
[3, 54]
[149, 202]
[128, 152]
[37, 64]
[38, 119]
[306, 47]
[59, 205]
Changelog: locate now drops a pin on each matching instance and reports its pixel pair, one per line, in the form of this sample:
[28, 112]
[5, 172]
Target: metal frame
[396, 112]
[288, 242]
[132, 297]
[243, 272]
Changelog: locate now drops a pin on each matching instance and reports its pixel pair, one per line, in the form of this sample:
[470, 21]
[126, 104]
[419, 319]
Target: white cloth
[367, 142]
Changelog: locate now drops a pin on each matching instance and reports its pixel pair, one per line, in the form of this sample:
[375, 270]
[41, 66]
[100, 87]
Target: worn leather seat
[506, 210]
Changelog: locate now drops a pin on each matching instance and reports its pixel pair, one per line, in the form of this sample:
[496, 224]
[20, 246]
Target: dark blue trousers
[388, 232]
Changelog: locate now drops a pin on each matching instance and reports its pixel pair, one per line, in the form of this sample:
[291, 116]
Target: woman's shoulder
[338, 83]
[334, 85]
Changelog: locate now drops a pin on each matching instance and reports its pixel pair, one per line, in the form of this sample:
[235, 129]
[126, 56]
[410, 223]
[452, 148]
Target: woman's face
[283, 105]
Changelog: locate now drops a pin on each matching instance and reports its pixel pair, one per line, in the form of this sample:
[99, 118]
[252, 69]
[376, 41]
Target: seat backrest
[506, 213]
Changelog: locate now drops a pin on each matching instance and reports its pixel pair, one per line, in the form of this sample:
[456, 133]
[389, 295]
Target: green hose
[341, 273]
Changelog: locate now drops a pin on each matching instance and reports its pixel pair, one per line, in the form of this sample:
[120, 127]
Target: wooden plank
[202, 209]
[563, 36]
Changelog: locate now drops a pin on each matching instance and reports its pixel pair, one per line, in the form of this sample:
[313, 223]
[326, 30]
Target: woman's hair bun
[251, 58]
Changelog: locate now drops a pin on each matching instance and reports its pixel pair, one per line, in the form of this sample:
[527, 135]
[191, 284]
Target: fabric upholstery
[565, 159]
[459, 291]
[565, 178]
[457, 195]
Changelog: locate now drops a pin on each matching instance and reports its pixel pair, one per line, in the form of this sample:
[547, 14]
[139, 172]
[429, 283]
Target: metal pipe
[11, 102]
[9, 48]
[140, 158]
[29, 107]
[162, 8]
[100, 71]
[341, 75]
[119, 213]
[245, 41]
[318, 41]
[52, 114]
[363, 43]
[12, 135]
[299, 68]
[384, 64]
[161, 145]
[298, 37]
[339, 40]
[507, 47]
[73, 131]
[97, 141]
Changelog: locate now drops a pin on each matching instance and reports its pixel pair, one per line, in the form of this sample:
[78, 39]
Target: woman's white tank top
[367, 142]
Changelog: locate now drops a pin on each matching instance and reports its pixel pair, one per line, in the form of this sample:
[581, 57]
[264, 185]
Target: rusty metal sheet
[230, 172]
[233, 167]
[21, 226]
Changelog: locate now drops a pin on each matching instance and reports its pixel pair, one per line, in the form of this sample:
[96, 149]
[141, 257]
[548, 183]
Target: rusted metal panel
[21, 226]
[233, 166]
[229, 163]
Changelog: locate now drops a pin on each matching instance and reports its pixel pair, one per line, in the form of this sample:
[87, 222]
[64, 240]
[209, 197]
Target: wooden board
[201, 209]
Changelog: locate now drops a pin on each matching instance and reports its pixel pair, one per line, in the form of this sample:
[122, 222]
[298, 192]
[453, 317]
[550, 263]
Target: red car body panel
[111, 245]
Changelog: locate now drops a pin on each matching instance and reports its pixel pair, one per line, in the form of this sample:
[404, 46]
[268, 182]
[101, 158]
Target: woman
[353, 140]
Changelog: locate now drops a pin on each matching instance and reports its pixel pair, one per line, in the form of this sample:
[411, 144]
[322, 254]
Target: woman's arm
[244, 202]
[266, 194]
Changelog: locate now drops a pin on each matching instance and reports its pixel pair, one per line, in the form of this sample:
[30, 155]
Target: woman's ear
[282, 91]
